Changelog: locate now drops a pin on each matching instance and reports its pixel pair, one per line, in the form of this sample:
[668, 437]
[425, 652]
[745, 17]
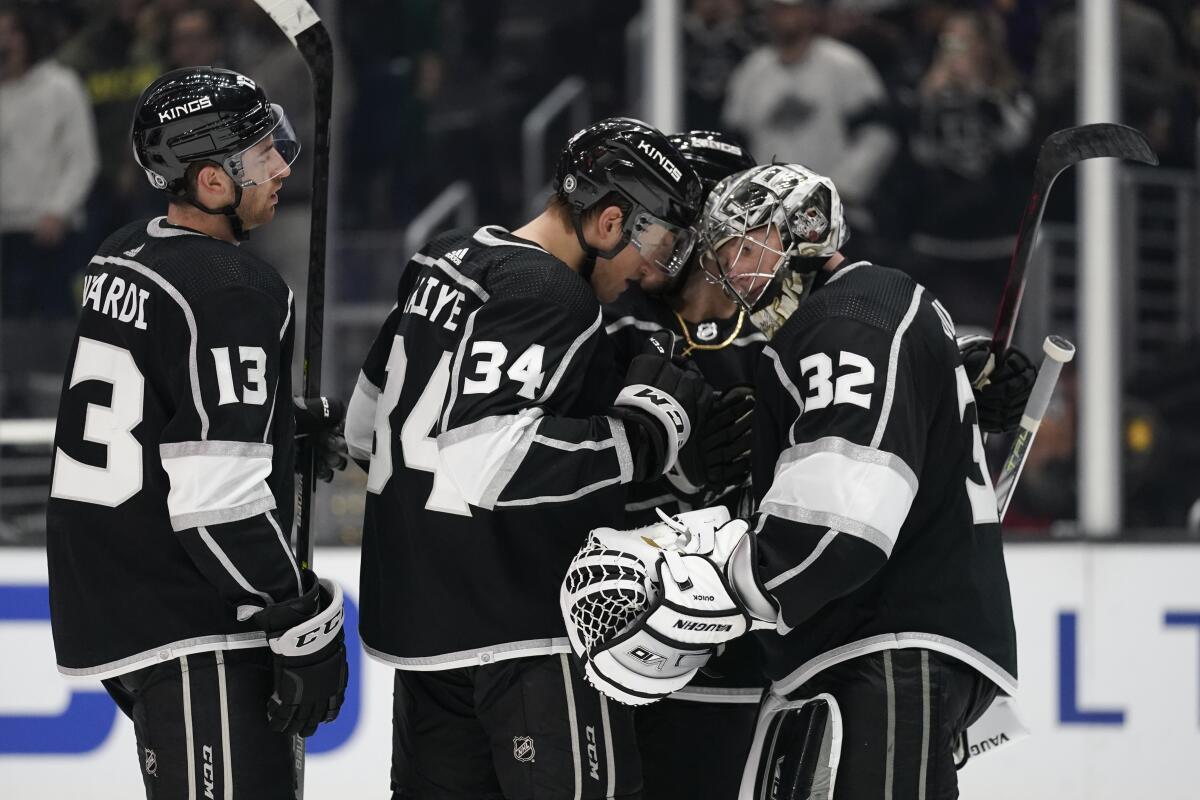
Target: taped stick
[1058, 351]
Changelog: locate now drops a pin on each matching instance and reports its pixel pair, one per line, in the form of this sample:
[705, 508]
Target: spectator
[715, 42]
[807, 98]
[48, 162]
[195, 40]
[394, 54]
[116, 55]
[1148, 70]
[970, 128]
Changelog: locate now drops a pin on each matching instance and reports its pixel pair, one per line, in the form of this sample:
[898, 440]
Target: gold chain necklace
[692, 345]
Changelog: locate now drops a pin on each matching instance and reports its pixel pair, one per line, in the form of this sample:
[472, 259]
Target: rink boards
[1109, 641]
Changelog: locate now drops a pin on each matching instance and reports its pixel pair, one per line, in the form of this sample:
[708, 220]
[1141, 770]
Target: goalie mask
[761, 224]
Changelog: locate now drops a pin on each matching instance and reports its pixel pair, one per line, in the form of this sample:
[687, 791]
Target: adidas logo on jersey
[135, 251]
[456, 256]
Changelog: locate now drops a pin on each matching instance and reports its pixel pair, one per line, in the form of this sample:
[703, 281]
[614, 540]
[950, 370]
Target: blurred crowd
[926, 113]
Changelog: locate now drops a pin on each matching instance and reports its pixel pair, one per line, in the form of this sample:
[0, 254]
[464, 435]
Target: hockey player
[712, 331]
[498, 432]
[875, 564]
[171, 577]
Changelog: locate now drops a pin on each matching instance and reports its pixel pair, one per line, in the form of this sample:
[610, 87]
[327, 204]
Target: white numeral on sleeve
[527, 371]
[255, 391]
[488, 367]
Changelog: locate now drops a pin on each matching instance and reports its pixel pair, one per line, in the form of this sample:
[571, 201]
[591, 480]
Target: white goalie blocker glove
[646, 609]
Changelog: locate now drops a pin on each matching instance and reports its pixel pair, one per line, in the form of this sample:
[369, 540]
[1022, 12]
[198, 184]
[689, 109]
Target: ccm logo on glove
[668, 406]
[308, 637]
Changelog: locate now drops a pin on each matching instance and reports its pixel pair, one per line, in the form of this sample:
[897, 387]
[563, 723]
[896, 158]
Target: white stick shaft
[1058, 352]
[292, 16]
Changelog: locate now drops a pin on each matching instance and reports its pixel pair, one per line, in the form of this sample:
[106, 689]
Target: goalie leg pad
[796, 749]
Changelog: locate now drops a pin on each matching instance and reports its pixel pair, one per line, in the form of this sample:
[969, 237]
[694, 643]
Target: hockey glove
[664, 403]
[319, 424]
[606, 597]
[733, 551]
[306, 638]
[726, 438]
[1001, 393]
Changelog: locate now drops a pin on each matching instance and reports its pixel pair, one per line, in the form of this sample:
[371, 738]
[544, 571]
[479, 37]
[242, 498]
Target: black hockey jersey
[724, 350]
[172, 476]
[481, 409]
[877, 522]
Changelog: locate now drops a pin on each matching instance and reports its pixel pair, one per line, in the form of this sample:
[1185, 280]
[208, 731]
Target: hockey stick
[300, 23]
[297, 19]
[1062, 149]
[1058, 352]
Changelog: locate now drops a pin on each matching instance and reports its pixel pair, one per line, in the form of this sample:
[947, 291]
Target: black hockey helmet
[713, 155]
[638, 163]
[205, 114]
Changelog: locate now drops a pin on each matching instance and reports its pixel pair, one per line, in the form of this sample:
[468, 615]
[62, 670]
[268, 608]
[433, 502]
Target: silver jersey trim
[472, 658]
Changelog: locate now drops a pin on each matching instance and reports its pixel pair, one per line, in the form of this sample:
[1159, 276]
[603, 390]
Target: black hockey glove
[665, 403]
[319, 424]
[726, 442]
[306, 637]
[1001, 395]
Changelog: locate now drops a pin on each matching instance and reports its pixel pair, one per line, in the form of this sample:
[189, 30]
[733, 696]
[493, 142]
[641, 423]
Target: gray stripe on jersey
[220, 516]
[898, 641]
[573, 722]
[624, 451]
[471, 658]
[566, 359]
[857, 452]
[288, 550]
[233, 571]
[462, 280]
[824, 519]
[786, 576]
[712, 694]
[216, 447]
[468, 329]
[486, 237]
[156, 229]
[226, 749]
[186, 679]
[889, 393]
[275, 389]
[889, 768]
[162, 282]
[512, 463]
[842, 272]
[559, 444]
[560, 498]
[609, 757]
[788, 385]
[924, 725]
[626, 321]
[165, 652]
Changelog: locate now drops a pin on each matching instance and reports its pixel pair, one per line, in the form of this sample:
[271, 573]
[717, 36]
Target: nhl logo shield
[151, 763]
[523, 749]
[706, 331]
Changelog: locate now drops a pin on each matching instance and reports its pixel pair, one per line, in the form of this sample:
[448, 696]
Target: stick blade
[1069, 146]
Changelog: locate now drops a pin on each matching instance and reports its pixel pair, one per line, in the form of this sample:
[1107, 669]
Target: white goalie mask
[757, 221]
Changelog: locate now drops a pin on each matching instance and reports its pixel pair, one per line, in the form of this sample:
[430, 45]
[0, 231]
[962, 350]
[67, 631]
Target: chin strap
[229, 211]
[590, 253]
